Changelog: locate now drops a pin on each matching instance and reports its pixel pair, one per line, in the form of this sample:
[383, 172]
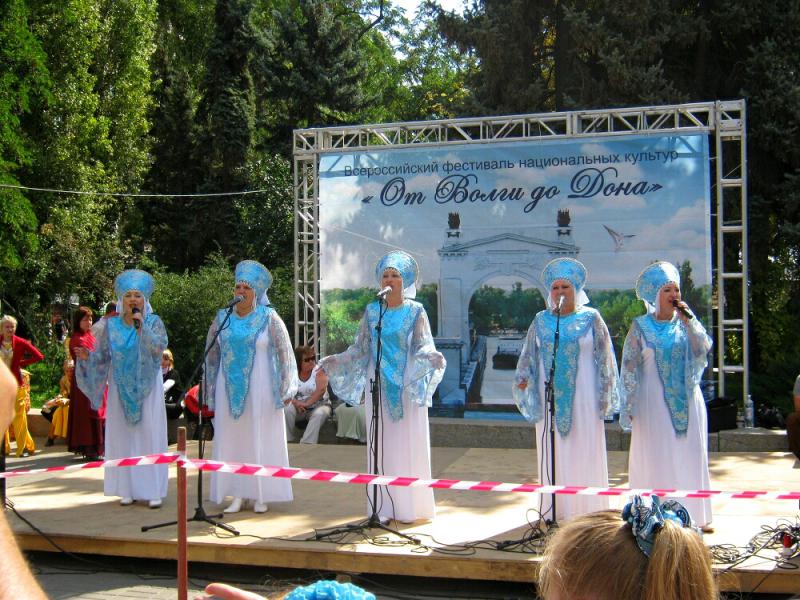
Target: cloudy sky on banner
[662, 204]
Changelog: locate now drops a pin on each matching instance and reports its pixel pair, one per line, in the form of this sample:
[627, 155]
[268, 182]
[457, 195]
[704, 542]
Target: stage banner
[483, 219]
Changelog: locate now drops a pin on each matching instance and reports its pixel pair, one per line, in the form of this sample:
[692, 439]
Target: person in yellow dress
[58, 407]
[19, 426]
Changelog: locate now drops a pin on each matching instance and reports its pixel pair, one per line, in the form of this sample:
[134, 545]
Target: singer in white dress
[127, 357]
[411, 368]
[250, 372]
[585, 390]
[665, 354]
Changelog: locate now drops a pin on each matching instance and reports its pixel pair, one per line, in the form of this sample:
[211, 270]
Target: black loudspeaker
[721, 414]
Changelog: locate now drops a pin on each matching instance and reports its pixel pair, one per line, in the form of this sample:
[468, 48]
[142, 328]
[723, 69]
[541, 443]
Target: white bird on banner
[619, 238]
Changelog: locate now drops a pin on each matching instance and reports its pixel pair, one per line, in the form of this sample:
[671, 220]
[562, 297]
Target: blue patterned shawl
[680, 356]
[135, 358]
[539, 347]
[406, 368]
[234, 353]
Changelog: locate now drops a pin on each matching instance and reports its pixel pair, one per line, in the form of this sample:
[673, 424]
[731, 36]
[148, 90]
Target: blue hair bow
[330, 590]
[647, 521]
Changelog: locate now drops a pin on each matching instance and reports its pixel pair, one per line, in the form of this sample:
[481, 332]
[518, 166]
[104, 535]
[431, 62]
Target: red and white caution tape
[455, 484]
[133, 461]
[365, 478]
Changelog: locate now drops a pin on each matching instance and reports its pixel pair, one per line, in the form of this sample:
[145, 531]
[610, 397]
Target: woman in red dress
[85, 432]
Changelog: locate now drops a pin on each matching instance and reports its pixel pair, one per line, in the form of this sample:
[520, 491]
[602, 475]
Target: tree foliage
[108, 97]
[537, 56]
[24, 86]
[314, 67]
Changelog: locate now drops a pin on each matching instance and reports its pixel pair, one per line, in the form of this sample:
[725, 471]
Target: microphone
[234, 302]
[560, 303]
[384, 292]
[684, 311]
[136, 323]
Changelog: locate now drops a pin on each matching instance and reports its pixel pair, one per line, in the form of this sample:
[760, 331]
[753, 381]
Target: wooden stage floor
[70, 509]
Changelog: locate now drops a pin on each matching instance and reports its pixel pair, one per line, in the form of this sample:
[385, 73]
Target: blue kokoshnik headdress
[569, 269]
[257, 276]
[403, 263]
[647, 521]
[652, 279]
[134, 279]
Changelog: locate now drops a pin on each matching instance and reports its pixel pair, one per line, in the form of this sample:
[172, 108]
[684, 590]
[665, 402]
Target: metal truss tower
[723, 122]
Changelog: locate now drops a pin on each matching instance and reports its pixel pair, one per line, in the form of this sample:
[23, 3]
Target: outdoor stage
[70, 508]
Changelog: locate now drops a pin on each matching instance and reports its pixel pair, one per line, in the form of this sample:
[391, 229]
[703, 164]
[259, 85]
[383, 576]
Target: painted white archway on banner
[467, 263]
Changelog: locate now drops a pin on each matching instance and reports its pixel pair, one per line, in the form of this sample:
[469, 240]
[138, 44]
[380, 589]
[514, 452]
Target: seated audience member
[793, 422]
[650, 552]
[172, 385]
[351, 422]
[191, 402]
[110, 310]
[56, 410]
[310, 404]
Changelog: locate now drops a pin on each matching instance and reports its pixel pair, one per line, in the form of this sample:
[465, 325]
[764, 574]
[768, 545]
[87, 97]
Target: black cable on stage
[770, 538]
[531, 545]
[97, 567]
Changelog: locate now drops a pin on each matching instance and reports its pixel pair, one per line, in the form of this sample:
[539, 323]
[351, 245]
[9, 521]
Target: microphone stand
[199, 512]
[549, 399]
[373, 521]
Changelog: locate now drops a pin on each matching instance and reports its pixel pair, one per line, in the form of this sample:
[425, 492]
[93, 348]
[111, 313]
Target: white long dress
[259, 435]
[404, 442]
[149, 436]
[144, 429]
[580, 453]
[404, 449]
[659, 457]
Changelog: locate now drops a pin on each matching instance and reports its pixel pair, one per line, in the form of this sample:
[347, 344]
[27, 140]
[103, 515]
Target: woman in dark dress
[173, 391]
[85, 431]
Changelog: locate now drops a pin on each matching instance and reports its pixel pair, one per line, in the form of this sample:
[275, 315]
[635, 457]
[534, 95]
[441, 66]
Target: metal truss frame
[723, 121]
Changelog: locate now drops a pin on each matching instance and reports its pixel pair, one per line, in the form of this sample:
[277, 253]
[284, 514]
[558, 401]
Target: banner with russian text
[483, 219]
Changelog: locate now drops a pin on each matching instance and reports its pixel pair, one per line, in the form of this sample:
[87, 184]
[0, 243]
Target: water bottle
[749, 414]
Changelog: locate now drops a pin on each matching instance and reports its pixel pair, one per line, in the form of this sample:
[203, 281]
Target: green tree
[89, 134]
[226, 114]
[601, 53]
[25, 85]
[486, 309]
[187, 303]
[267, 218]
[183, 34]
[428, 296]
[121, 66]
[223, 144]
[434, 74]
[512, 41]
[314, 68]
[341, 316]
